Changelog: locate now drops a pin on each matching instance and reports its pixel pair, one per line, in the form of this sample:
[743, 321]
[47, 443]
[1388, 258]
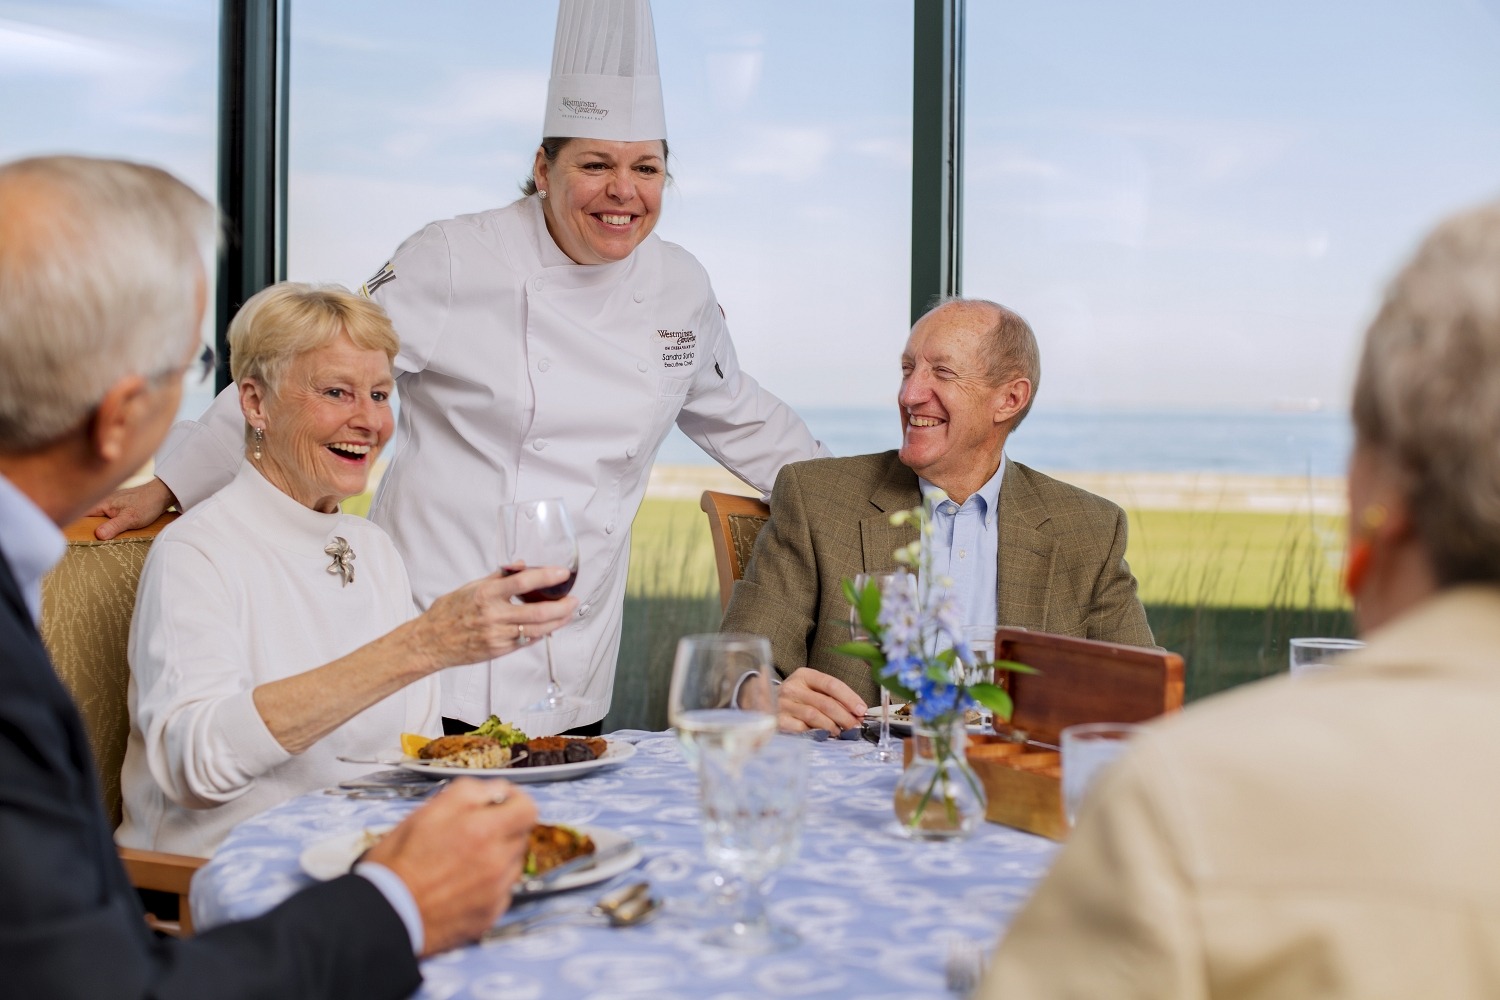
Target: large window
[790, 133]
[1196, 206]
[135, 79]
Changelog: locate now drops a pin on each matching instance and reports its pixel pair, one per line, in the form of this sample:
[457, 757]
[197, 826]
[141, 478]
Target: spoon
[623, 907]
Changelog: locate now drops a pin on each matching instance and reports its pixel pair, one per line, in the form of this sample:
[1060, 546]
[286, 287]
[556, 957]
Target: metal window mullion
[252, 157]
[937, 152]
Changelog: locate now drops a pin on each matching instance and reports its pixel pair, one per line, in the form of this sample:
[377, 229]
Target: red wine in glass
[553, 593]
[540, 533]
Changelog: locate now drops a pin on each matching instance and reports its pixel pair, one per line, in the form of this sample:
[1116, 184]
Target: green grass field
[1227, 560]
[1224, 589]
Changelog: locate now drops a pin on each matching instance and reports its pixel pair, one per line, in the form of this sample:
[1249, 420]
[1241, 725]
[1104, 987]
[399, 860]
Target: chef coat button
[536, 285]
[539, 444]
[643, 366]
[609, 529]
[544, 364]
[584, 609]
[640, 296]
[632, 451]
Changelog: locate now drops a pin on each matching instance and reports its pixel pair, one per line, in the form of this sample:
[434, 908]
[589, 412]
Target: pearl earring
[260, 436]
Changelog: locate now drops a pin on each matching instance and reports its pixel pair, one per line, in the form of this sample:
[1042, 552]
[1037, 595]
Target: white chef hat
[605, 83]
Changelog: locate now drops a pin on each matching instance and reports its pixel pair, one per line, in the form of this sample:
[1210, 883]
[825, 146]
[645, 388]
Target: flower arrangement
[918, 652]
[917, 649]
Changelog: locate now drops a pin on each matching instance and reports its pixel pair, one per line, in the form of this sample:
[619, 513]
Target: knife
[548, 878]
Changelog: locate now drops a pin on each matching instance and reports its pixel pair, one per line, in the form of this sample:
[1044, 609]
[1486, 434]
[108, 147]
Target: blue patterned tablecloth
[877, 913]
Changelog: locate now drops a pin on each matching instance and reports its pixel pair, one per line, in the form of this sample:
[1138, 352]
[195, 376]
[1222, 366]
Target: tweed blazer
[1324, 836]
[1061, 557]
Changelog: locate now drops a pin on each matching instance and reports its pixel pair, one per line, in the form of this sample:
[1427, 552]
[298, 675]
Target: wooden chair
[734, 521]
[87, 604]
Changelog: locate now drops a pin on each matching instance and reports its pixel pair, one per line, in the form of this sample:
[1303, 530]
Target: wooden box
[1077, 680]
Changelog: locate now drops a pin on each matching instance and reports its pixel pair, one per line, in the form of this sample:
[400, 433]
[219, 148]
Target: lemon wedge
[412, 743]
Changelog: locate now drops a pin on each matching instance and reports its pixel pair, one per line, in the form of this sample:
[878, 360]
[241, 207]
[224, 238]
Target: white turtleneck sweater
[234, 594]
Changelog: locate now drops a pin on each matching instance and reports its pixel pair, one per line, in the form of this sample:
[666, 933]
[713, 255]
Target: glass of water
[1309, 655]
[886, 749]
[721, 696]
[981, 641]
[1087, 750]
[752, 825]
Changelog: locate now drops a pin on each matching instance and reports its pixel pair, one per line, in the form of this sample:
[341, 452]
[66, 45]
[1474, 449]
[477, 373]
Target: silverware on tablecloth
[623, 907]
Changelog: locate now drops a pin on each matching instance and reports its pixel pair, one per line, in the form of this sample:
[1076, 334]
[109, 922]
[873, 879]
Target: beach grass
[1226, 589]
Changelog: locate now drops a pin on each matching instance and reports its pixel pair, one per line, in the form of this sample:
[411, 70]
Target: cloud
[788, 152]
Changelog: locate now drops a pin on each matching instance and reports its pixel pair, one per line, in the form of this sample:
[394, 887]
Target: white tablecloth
[877, 913]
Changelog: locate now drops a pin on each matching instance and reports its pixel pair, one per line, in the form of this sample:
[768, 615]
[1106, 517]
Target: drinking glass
[752, 825]
[1311, 655]
[1087, 750]
[886, 749]
[981, 641]
[540, 533]
[707, 673]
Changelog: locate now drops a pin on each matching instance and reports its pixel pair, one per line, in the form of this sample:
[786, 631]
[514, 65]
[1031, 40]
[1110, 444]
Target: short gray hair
[284, 320]
[100, 265]
[1428, 392]
[1010, 350]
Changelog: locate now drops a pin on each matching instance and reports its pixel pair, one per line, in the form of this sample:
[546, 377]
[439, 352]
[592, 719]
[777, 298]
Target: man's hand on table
[460, 856]
[811, 699]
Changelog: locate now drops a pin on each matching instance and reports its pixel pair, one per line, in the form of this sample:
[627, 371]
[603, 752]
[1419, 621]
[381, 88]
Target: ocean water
[1090, 440]
[1108, 440]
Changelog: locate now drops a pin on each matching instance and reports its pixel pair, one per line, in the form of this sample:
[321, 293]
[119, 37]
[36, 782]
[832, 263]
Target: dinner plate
[615, 752]
[328, 859]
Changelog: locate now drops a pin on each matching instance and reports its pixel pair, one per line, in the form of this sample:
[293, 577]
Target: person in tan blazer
[1329, 835]
[970, 369]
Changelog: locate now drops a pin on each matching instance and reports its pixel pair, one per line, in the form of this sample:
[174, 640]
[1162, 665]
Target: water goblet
[708, 673]
[886, 749]
[1087, 750]
[981, 643]
[540, 533]
[752, 825]
[1311, 655]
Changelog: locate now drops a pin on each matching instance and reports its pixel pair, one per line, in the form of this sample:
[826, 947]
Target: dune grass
[1226, 589]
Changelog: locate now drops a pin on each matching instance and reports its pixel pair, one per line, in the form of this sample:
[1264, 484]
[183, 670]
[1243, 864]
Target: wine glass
[1311, 655]
[540, 533]
[752, 825]
[721, 698]
[981, 643]
[885, 750]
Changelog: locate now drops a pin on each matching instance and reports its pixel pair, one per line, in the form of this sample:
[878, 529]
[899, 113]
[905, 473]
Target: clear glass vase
[939, 797]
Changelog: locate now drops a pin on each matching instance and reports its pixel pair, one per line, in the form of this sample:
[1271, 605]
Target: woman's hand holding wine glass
[540, 533]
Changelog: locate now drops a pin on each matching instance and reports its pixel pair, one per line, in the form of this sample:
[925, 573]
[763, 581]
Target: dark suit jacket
[70, 923]
[1062, 562]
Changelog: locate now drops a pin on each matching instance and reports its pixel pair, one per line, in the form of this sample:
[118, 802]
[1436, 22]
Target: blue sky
[1195, 203]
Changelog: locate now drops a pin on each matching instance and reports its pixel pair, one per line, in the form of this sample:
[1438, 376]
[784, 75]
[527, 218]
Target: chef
[547, 348]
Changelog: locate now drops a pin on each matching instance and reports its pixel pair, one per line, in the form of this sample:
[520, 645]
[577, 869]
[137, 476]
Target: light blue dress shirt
[966, 546]
[31, 544]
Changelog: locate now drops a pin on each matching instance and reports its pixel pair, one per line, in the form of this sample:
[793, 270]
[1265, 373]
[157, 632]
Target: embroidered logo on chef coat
[679, 348]
[386, 273]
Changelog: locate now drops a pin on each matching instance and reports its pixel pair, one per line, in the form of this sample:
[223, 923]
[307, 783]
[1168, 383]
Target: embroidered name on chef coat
[679, 348]
[386, 273]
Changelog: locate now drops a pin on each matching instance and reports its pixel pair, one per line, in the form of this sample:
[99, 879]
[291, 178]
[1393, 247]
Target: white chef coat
[522, 376]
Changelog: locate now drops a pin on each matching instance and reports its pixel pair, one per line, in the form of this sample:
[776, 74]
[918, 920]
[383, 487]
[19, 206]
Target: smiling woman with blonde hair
[273, 633]
[1329, 835]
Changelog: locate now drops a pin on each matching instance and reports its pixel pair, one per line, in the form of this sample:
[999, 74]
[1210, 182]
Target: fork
[963, 967]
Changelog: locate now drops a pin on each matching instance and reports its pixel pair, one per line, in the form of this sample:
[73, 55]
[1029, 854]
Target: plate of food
[513, 756]
[551, 846]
